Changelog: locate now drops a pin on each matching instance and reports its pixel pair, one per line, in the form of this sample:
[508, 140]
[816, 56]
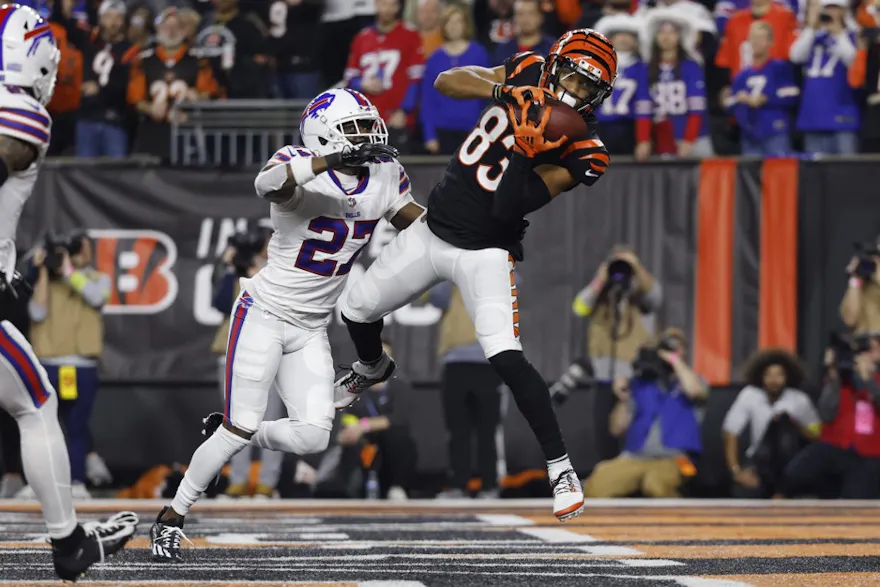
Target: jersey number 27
[490, 129]
[339, 231]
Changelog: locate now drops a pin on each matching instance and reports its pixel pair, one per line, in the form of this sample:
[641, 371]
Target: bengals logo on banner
[139, 263]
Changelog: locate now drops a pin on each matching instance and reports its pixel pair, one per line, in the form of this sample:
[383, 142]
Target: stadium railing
[234, 132]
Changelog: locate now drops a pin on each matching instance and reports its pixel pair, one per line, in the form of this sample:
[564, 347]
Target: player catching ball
[536, 141]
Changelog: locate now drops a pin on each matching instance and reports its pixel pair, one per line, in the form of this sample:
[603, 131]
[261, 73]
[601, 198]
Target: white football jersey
[21, 117]
[319, 234]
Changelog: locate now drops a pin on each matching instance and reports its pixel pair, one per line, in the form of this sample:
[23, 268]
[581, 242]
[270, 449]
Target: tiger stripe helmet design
[583, 52]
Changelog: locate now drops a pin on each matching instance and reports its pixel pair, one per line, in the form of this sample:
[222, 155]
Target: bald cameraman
[657, 411]
[860, 308]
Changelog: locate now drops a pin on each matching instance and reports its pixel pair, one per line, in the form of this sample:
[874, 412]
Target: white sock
[376, 368]
[557, 467]
[47, 467]
[206, 463]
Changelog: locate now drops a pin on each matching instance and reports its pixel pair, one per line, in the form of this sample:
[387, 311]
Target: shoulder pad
[285, 154]
[22, 117]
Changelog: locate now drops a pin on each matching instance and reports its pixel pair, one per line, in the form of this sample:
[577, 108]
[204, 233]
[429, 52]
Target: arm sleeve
[586, 160]
[737, 416]
[94, 288]
[829, 401]
[410, 100]
[427, 112]
[585, 301]
[440, 295]
[353, 71]
[786, 90]
[844, 47]
[222, 300]
[800, 50]
[405, 195]
[696, 101]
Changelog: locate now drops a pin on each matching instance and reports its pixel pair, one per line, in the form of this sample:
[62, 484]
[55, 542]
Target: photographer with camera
[845, 463]
[657, 410]
[860, 308]
[620, 302]
[245, 254]
[67, 333]
[780, 417]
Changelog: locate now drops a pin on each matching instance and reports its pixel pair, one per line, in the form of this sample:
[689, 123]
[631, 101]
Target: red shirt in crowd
[857, 424]
[735, 52]
[395, 57]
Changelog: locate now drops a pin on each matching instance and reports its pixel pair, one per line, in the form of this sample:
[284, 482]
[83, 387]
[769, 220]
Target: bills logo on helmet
[319, 104]
[139, 263]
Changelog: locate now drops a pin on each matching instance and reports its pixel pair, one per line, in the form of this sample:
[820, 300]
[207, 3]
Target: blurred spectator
[237, 45]
[471, 396]
[626, 115]
[447, 122]
[864, 77]
[528, 22]
[762, 97]
[678, 86]
[735, 53]
[294, 33]
[699, 16]
[340, 25]
[860, 307]
[140, 27]
[166, 76]
[620, 303]
[846, 463]
[430, 28]
[657, 412]
[386, 63]
[67, 333]
[829, 113]
[67, 95]
[191, 21]
[365, 11]
[494, 22]
[375, 435]
[779, 416]
[724, 9]
[107, 57]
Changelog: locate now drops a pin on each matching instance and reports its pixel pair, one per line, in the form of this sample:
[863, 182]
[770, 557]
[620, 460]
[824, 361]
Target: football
[564, 120]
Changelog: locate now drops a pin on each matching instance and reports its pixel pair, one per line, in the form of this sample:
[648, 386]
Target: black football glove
[360, 155]
[15, 289]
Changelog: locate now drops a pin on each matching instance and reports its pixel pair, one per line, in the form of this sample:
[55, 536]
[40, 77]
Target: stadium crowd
[757, 77]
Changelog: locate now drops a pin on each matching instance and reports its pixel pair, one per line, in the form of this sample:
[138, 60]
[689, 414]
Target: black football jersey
[460, 206]
[109, 66]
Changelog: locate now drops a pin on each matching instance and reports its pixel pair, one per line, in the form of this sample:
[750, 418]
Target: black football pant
[472, 406]
[833, 472]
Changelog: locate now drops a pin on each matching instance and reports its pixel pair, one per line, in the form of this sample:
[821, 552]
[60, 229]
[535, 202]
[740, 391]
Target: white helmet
[29, 54]
[330, 120]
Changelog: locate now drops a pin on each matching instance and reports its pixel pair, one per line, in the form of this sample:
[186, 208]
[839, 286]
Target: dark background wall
[160, 377]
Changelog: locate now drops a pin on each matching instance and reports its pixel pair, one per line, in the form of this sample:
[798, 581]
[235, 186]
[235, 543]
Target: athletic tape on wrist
[302, 170]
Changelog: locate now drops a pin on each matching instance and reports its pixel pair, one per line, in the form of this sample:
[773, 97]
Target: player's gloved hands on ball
[529, 136]
[520, 95]
[360, 155]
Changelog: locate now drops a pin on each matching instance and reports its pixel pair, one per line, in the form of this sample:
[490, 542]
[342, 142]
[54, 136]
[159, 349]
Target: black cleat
[213, 421]
[165, 539]
[100, 541]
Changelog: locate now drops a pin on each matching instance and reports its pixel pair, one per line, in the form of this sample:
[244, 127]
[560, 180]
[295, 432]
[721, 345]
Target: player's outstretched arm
[15, 155]
[470, 83]
[277, 181]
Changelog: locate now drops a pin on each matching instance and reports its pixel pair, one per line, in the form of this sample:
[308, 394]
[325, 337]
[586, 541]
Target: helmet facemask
[356, 129]
[578, 84]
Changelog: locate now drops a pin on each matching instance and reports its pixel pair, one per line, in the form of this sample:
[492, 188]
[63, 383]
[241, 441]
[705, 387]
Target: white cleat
[359, 379]
[568, 497]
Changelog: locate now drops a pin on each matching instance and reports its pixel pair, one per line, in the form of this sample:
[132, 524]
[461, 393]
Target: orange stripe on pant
[777, 314]
[713, 295]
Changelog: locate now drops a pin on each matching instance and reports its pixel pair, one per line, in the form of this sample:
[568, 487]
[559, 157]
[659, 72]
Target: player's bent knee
[241, 433]
[361, 306]
[510, 364]
[307, 438]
